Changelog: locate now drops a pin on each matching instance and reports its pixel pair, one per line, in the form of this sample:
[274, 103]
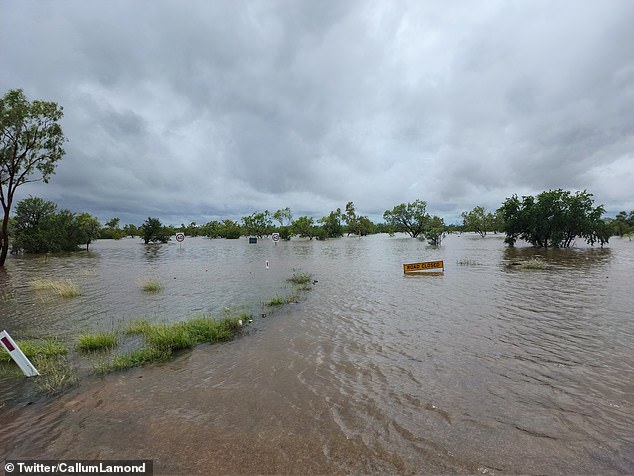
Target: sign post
[17, 355]
[275, 237]
[180, 237]
[424, 266]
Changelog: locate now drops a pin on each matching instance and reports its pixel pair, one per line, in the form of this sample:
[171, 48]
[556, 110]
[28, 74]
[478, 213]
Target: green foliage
[623, 224]
[435, 231]
[331, 225]
[98, 341]
[278, 300]
[554, 219]
[479, 221]
[356, 225]
[282, 216]
[230, 229]
[31, 144]
[257, 224]
[153, 231]
[304, 227]
[36, 349]
[89, 228]
[111, 230]
[39, 228]
[151, 286]
[411, 218]
[300, 278]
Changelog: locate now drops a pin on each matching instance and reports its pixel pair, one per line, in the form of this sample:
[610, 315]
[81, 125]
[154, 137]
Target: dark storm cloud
[196, 110]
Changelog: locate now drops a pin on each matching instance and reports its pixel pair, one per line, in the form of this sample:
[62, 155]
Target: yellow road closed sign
[424, 266]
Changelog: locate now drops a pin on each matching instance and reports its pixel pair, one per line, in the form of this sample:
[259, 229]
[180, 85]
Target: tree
[411, 218]
[623, 223]
[304, 227]
[478, 220]
[31, 141]
[230, 229]
[331, 225]
[257, 224]
[89, 228]
[111, 230]
[39, 228]
[282, 215]
[554, 219]
[153, 231]
[435, 231]
[31, 225]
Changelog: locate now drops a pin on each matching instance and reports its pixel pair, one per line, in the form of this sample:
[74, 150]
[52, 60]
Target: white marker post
[17, 355]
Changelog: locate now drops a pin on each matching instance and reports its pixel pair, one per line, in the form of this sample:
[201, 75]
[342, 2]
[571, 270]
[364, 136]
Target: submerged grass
[62, 287]
[162, 340]
[300, 278]
[56, 375]
[278, 300]
[533, 263]
[45, 348]
[151, 286]
[98, 341]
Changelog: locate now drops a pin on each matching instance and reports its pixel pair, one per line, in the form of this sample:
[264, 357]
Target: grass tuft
[278, 300]
[46, 348]
[56, 375]
[151, 286]
[138, 326]
[98, 341]
[300, 278]
[62, 287]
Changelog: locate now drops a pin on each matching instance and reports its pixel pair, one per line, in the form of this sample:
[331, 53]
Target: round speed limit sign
[180, 237]
[275, 237]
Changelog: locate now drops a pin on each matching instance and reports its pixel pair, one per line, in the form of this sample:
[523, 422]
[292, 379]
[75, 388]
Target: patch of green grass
[135, 358]
[138, 326]
[303, 287]
[163, 339]
[62, 287]
[151, 286]
[300, 278]
[278, 300]
[45, 348]
[169, 336]
[98, 341]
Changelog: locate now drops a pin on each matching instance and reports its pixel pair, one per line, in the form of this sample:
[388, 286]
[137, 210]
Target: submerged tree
[31, 140]
[478, 220]
[554, 219]
[411, 218]
[154, 232]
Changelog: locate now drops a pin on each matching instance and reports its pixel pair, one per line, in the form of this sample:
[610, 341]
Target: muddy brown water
[485, 368]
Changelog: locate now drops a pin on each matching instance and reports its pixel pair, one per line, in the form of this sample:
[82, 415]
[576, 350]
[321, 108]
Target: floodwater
[486, 368]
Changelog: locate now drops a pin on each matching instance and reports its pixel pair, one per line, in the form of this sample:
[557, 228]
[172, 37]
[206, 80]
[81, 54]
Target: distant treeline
[551, 219]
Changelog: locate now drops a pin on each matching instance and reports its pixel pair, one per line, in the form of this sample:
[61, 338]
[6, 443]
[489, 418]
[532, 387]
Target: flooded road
[485, 368]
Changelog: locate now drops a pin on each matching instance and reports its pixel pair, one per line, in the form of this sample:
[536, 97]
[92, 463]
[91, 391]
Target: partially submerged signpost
[421, 268]
[17, 355]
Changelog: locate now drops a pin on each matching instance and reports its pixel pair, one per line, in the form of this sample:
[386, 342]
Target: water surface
[486, 367]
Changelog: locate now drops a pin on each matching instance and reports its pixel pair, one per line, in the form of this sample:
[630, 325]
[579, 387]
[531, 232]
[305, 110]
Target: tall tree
[31, 143]
[411, 218]
[554, 219]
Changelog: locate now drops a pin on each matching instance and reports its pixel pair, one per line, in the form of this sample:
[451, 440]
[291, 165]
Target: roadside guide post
[17, 355]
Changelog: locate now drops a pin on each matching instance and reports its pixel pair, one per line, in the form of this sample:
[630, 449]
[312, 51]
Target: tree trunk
[4, 238]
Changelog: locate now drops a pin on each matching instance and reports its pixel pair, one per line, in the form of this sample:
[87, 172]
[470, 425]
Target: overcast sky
[199, 110]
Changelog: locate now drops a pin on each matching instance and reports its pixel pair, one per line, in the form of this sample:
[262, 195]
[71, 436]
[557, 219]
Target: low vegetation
[278, 300]
[62, 287]
[98, 341]
[162, 340]
[151, 286]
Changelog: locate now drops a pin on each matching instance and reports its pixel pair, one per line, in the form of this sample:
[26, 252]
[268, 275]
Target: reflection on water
[487, 367]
